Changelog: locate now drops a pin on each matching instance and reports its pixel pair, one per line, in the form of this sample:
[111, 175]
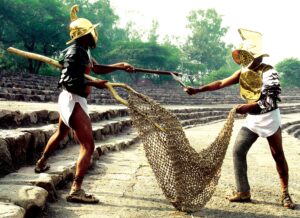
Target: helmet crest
[74, 11]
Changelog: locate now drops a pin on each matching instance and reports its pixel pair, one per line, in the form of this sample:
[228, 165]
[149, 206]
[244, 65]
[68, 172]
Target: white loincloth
[66, 102]
[265, 124]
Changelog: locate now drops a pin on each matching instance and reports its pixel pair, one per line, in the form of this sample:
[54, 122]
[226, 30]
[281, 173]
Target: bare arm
[100, 84]
[100, 69]
[233, 79]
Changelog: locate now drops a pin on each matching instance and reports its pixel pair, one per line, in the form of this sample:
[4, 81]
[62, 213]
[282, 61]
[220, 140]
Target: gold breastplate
[251, 83]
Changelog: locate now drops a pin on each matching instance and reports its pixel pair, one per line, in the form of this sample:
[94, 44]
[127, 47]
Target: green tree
[204, 48]
[146, 55]
[33, 25]
[289, 71]
[219, 74]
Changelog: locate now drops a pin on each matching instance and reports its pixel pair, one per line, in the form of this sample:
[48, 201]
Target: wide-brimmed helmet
[80, 26]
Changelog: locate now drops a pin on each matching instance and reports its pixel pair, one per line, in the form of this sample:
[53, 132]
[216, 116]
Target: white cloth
[66, 102]
[265, 124]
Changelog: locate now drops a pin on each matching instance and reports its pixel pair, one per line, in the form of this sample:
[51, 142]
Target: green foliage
[204, 46]
[289, 71]
[146, 55]
[34, 25]
[219, 74]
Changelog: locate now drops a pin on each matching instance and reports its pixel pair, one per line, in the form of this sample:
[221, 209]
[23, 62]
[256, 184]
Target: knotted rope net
[187, 178]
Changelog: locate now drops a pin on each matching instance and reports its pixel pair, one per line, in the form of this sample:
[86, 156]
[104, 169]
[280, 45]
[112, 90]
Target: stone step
[293, 128]
[12, 119]
[43, 180]
[193, 110]
[10, 210]
[290, 109]
[28, 98]
[24, 145]
[29, 190]
[203, 120]
[164, 96]
[297, 134]
[30, 198]
[196, 115]
[288, 124]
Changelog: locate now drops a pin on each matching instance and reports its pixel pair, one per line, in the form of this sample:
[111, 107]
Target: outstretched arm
[99, 69]
[233, 79]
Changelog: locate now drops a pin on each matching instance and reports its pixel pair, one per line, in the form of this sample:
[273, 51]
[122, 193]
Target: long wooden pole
[34, 56]
[141, 70]
[57, 64]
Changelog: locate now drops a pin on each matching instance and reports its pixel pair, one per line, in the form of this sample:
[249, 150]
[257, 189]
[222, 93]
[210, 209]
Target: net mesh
[187, 178]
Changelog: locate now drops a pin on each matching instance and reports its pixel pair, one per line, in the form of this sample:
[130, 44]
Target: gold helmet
[249, 49]
[80, 26]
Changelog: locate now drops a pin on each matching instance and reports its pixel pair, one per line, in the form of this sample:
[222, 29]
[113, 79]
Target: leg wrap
[243, 143]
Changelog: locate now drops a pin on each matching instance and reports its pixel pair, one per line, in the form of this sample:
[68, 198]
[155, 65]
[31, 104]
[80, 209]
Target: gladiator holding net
[188, 178]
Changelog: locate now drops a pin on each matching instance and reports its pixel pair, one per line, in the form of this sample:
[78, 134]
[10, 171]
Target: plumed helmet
[250, 48]
[80, 26]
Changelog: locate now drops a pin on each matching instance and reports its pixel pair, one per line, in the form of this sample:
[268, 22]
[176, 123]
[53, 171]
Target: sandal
[240, 197]
[79, 196]
[42, 169]
[286, 201]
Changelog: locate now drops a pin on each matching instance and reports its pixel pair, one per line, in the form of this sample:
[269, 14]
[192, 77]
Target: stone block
[18, 145]
[42, 180]
[33, 117]
[10, 210]
[42, 115]
[53, 116]
[28, 197]
[6, 165]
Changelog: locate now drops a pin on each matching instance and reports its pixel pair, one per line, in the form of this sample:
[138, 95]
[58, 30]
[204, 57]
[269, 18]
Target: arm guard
[270, 92]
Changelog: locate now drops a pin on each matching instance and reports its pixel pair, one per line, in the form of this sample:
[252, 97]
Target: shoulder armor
[264, 68]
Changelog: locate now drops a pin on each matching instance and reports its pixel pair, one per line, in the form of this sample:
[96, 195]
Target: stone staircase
[27, 87]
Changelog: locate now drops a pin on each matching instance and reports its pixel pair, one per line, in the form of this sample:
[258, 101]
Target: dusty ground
[126, 186]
